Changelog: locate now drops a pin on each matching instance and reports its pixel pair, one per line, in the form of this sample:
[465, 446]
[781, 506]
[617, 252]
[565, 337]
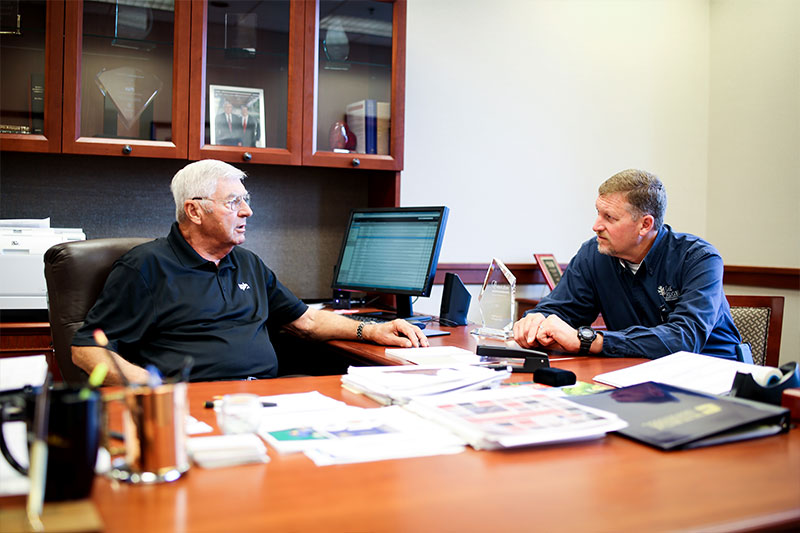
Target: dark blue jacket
[674, 302]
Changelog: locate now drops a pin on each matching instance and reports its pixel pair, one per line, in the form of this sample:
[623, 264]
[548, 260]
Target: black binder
[670, 418]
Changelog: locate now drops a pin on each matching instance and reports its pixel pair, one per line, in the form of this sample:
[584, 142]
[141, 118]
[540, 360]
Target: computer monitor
[391, 251]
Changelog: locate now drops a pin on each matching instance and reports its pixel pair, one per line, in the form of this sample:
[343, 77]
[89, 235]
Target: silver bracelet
[360, 331]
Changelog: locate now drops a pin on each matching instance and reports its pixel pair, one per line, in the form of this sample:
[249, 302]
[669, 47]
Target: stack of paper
[514, 416]
[435, 355]
[227, 450]
[702, 373]
[353, 435]
[398, 384]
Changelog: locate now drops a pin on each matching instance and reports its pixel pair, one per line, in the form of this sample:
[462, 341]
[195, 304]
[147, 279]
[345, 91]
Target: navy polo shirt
[162, 301]
[674, 302]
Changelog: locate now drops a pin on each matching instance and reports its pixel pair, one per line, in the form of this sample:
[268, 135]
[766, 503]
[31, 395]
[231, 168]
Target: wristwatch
[586, 336]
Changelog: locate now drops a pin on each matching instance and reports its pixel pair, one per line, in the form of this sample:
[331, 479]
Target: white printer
[22, 248]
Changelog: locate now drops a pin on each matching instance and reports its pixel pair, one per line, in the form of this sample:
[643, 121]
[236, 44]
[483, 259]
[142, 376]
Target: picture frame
[550, 268]
[237, 132]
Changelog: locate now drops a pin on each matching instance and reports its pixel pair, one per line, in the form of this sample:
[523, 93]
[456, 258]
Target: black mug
[73, 436]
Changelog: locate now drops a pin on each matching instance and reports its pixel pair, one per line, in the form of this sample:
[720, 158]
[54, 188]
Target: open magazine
[514, 416]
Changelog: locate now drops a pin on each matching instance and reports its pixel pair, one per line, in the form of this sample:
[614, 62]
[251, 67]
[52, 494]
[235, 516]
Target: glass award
[496, 302]
[130, 90]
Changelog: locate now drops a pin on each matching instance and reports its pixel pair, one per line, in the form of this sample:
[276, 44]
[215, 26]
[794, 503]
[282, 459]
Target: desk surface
[609, 484]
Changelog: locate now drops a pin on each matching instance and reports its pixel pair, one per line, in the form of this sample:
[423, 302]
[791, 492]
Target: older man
[196, 292]
[659, 291]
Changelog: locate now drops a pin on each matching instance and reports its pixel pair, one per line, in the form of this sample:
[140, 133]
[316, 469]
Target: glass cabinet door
[126, 74]
[247, 81]
[31, 46]
[355, 70]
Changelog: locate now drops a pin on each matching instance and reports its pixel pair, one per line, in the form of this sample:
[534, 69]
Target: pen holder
[154, 434]
[744, 386]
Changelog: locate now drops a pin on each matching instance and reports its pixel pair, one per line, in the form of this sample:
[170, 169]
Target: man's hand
[526, 329]
[395, 333]
[557, 334]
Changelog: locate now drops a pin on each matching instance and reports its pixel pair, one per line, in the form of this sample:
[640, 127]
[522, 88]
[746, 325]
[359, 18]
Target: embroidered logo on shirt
[244, 286]
[668, 293]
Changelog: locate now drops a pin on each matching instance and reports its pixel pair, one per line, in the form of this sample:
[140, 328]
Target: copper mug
[154, 433]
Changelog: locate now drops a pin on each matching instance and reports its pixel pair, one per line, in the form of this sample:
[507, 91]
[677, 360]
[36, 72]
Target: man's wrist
[597, 344]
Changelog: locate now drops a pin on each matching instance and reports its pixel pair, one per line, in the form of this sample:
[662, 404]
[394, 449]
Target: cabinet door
[126, 76]
[246, 83]
[31, 47]
[354, 96]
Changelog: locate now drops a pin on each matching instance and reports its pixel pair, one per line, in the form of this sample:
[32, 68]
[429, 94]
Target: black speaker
[455, 302]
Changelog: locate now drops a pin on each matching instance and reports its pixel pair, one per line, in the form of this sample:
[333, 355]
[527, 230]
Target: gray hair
[199, 180]
[644, 192]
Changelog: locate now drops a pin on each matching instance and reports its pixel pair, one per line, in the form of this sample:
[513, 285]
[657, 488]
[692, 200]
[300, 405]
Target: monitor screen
[391, 251]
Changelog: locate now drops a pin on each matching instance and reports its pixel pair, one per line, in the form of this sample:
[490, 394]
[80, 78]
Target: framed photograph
[236, 116]
[550, 269]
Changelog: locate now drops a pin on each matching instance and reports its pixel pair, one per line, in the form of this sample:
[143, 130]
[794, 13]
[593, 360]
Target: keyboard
[367, 318]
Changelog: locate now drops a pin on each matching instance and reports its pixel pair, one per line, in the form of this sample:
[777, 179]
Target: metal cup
[155, 435]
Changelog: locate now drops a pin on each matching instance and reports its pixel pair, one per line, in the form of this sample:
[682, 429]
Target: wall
[297, 227]
[516, 112]
[754, 143]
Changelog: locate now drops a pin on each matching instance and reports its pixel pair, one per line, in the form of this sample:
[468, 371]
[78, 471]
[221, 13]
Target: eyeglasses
[234, 204]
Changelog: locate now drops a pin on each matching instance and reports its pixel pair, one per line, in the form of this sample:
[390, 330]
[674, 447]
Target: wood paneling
[528, 273]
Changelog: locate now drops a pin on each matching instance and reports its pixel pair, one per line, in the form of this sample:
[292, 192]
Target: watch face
[586, 333]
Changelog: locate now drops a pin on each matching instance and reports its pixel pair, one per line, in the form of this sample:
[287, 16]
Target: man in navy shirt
[659, 291]
[197, 293]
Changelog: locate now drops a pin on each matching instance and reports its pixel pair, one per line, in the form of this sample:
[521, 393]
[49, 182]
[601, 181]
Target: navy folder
[669, 417]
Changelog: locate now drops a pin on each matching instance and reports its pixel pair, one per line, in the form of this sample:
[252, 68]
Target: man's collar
[187, 255]
[656, 251]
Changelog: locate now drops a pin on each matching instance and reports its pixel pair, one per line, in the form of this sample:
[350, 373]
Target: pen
[210, 404]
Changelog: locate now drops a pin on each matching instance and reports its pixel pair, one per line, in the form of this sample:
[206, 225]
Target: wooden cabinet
[152, 81]
[31, 49]
[354, 52]
[126, 79]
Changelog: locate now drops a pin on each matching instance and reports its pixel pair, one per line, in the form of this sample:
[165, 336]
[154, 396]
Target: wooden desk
[611, 484]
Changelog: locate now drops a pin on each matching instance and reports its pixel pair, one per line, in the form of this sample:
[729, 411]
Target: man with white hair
[197, 293]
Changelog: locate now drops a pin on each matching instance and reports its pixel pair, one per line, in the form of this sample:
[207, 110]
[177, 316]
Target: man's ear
[648, 223]
[193, 211]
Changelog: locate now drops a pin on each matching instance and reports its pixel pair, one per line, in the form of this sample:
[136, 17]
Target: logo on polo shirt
[244, 286]
[668, 293]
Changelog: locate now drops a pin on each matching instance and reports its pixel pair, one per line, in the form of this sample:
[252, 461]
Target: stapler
[532, 359]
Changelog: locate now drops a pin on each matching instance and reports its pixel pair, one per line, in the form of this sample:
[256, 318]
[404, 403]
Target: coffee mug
[73, 436]
[154, 432]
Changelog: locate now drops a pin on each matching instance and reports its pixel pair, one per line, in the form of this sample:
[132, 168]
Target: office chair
[75, 273]
[759, 320]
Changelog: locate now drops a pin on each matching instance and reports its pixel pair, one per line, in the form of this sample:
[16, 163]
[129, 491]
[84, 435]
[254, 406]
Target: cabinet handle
[356, 161]
[127, 149]
[247, 156]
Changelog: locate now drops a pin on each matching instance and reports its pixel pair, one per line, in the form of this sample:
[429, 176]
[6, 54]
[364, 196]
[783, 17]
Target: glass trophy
[496, 302]
[130, 90]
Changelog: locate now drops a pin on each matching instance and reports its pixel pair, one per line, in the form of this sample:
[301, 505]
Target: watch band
[585, 339]
[360, 331]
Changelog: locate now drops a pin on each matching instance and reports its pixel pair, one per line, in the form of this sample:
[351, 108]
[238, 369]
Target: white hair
[199, 180]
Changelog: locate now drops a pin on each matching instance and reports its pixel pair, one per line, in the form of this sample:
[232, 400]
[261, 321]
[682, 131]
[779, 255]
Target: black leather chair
[75, 273]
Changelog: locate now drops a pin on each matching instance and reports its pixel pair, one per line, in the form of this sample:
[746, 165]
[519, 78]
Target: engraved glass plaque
[496, 301]
[130, 90]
